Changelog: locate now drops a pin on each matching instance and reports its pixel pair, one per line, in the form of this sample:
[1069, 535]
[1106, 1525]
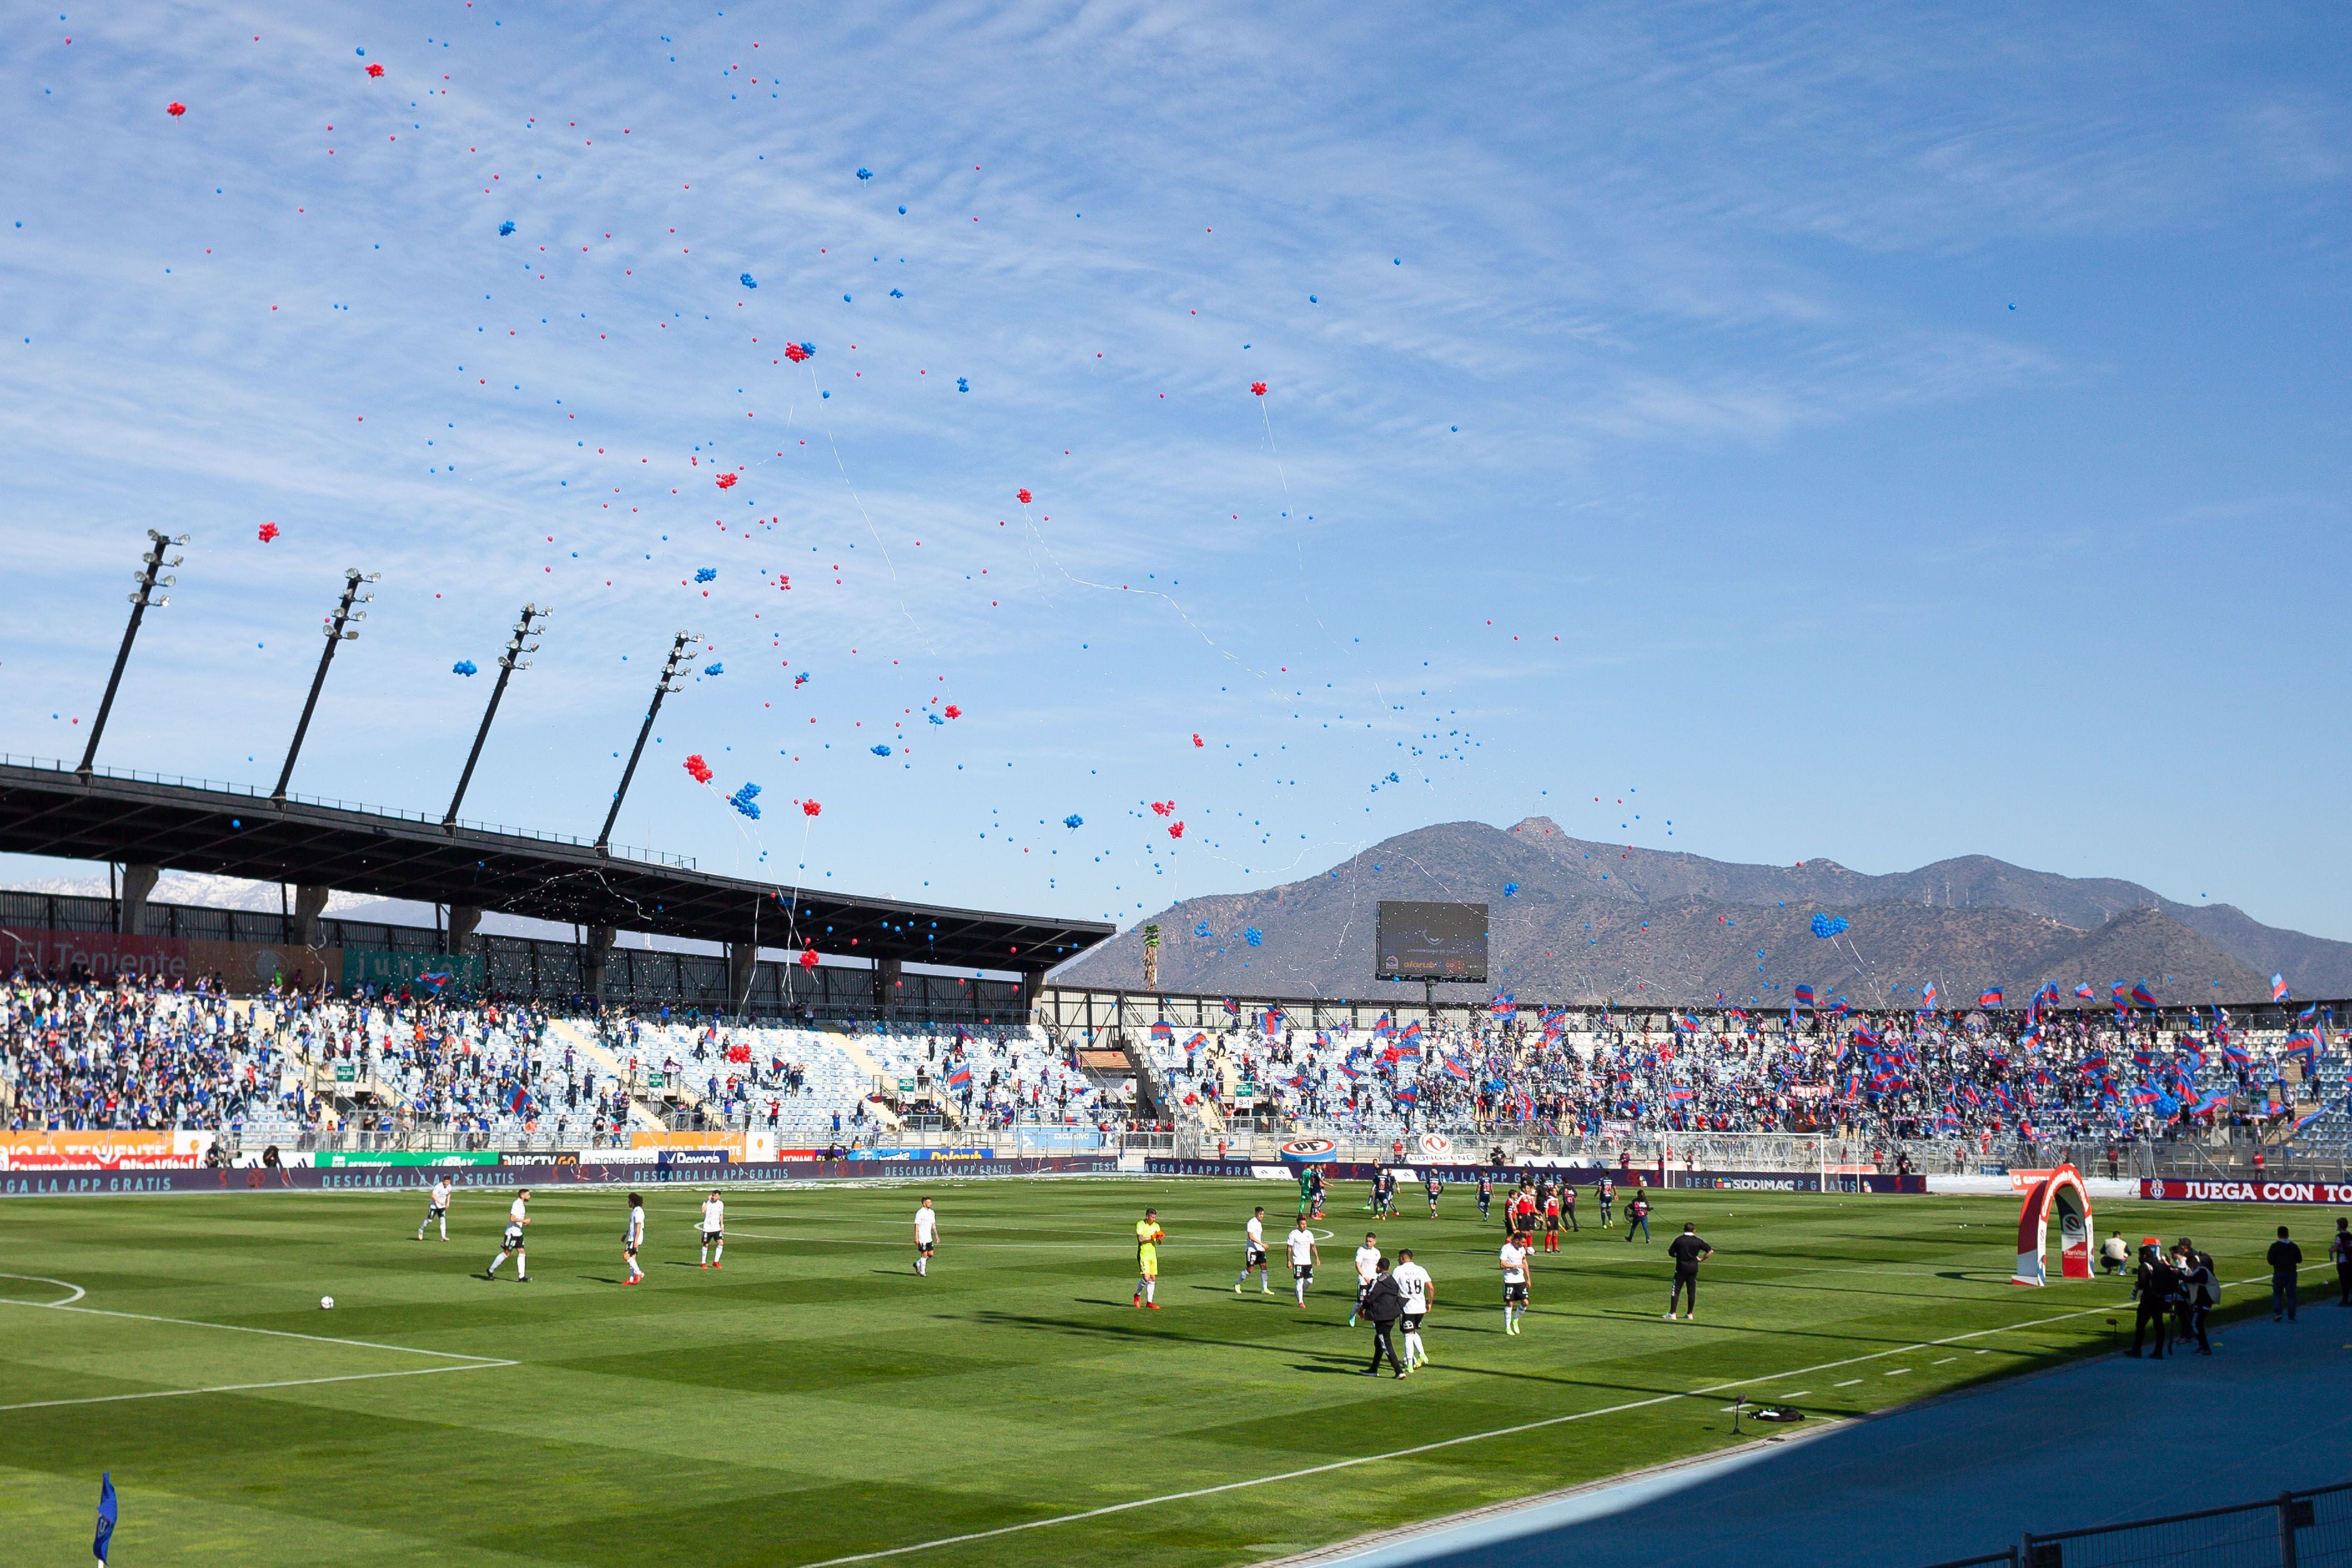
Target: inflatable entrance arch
[2062, 1190]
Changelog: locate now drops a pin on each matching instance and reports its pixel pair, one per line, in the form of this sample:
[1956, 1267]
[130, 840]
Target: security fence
[2294, 1530]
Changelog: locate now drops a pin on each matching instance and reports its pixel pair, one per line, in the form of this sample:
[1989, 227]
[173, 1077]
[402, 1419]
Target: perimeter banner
[246, 966]
[563, 1174]
[2246, 1192]
[104, 1151]
[334, 1161]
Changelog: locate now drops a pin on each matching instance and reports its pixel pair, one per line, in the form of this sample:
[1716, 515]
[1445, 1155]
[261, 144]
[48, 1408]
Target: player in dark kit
[1435, 1187]
[1688, 1252]
[1637, 1215]
[1568, 1203]
[1485, 1194]
[1607, 1193]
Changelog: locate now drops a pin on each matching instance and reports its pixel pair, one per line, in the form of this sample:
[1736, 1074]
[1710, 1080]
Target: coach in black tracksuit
[1688, 1252]
[1383, 1305]
[2157, 1286]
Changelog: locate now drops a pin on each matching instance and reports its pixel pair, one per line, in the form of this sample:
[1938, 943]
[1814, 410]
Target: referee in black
[1689, 1251]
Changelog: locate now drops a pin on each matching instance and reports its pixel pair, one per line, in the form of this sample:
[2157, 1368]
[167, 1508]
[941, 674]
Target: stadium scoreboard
[1432, 941]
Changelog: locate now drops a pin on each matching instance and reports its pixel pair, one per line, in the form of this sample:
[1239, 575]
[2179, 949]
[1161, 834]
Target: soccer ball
[326, 1303]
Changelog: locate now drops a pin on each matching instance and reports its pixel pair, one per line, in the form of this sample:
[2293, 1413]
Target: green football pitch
[814, 1401]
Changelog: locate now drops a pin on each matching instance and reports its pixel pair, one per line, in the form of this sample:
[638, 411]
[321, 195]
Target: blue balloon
[1202, 929]
[742, 800]
[962, 385]
[881, 750]
[507, 227]
[1253, 936]
[865, 173]
[714, 670]
[747, 283]
[1827, 926]
[463, 667]
[706, 573]
[1509, 889]
[1073, 821]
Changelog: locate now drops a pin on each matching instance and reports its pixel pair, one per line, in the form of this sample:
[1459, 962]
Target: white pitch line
[470, 1362]
[484, 1365]
[1431, 1447]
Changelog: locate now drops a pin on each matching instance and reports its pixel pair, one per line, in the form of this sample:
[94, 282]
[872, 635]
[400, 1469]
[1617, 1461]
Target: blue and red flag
[2141, 995]
[1988, 998]
[961, 1077]
[2278, 988]
[1804, 996]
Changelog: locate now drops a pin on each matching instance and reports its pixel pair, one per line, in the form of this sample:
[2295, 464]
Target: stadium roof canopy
[199, 826]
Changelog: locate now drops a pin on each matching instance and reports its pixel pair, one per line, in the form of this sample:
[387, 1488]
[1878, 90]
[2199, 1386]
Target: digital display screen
[1432, 942]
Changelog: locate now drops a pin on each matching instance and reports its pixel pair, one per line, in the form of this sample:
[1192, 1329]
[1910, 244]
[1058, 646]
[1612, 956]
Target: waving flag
[1804, 996]
[1270, 1021]
[1455, 1067]
[1687, 1022]
[1383, 1028]
[1232, 1008]
[2236, 1054]
[1928, 996]
[2304, 1122]
[2278, 988]
[105, 1510]
[435, 980]
[1679, 1095]
[2141, 995]
[2084, 992]
[961, 1077]
[1163, 1031]
[2304, 1046]
[2096, 1062]
[1502, 1006]
[1989, 998]
[1351, 1072]
[1409, 1095]
[1196, 1043]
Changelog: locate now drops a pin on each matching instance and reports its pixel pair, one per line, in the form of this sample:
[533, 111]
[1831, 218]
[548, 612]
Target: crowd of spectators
[2044, 1074]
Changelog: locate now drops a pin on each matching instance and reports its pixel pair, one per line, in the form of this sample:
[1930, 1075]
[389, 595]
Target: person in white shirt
[1419, 1295]
[633, 1238]
[1368, 1269]
[1254, 1255]
[714, 1231]
[437, 1208]
[1513, 1260]
[512, 1241]
[927, 1237]
[1304, 1257]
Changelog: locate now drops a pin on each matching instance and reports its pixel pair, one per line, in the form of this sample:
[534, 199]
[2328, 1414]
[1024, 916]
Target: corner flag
[105, 1517]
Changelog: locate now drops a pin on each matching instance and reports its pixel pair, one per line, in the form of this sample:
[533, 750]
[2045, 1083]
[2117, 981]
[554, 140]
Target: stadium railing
[2292, 1529]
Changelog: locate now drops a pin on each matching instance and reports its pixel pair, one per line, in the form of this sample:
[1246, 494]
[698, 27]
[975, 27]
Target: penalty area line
[248, 1387]
[1442, 1443]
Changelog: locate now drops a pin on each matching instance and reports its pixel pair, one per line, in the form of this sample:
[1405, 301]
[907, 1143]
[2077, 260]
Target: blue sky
[1854, 433]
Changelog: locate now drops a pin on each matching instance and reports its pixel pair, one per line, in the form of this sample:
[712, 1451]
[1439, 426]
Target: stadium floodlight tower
[671, 667]
[526, 625]
[141, 597]
[338, 631]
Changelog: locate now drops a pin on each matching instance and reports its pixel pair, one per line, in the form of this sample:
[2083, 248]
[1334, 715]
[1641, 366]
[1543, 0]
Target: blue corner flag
[105, 1518]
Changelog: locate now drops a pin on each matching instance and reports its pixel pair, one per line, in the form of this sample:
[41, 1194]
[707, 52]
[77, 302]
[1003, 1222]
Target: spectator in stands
[2286, 1259]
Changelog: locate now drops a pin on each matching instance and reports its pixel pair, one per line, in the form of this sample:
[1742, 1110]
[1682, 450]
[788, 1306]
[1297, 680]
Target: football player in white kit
[1304, 1255]
[927, 1237]
[1514, 1262]
[1419, 1295]
[512, 1241]
[1367, 1270]
[1254, 1255]
[437, 1208]
[714, 1231]
[633, 1238]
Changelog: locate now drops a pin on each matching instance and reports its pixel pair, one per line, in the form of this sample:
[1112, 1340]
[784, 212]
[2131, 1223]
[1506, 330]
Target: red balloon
[808, 958]
[953, 711]
[794, 352]
[175, 109]
[700, 769]
[1175, 830]
[1258, 387]
[375, 70]
[726, 481]
[269, 531]
[1024, 497]
[810, 808]
[1196, 738]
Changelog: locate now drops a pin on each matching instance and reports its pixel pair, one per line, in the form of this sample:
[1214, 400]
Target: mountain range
[1575, 921]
